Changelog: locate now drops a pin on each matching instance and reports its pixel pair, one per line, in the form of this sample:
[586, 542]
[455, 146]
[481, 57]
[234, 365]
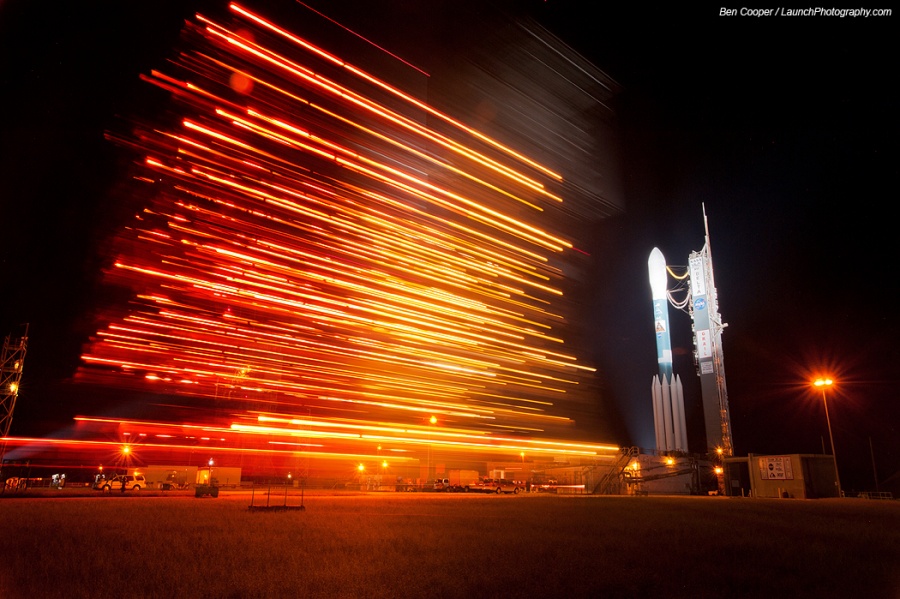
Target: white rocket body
[657, 267]
[668, 396]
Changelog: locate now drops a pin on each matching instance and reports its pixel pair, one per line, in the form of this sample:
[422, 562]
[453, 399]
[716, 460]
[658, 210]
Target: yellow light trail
[360, 73]
[310, 246]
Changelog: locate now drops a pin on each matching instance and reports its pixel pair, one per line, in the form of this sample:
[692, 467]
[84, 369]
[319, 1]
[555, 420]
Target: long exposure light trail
[147, 450]
[311, 77]
[326, 256]
[271, 26]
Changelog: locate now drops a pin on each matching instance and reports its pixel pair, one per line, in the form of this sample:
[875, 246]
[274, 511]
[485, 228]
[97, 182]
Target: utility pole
[874, 471]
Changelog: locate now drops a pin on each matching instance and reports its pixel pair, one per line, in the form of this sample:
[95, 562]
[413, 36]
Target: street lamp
[428, 474]
[827, 383]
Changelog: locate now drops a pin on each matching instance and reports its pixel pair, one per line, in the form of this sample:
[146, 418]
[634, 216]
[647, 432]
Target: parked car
[547, 486]
[485, 485]
[489, 485]
[135, 482]
[501, 485]
[508, 486]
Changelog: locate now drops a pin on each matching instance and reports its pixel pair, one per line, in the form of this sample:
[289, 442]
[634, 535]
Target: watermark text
[805, 12]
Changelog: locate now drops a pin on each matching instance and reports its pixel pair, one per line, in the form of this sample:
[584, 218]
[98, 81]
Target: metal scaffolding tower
[12, 359]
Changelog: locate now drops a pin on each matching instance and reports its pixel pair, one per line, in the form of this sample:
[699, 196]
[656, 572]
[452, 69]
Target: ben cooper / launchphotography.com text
[805, 12]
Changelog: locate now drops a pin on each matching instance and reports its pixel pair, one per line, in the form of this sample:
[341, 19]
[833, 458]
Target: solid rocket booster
[657, 267]
[668, 414]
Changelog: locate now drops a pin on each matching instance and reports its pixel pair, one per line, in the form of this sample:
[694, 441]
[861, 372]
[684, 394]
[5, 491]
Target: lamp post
[827, 383]
[429, 475]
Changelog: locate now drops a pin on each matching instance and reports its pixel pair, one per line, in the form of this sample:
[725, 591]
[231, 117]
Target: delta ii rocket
[668, 396]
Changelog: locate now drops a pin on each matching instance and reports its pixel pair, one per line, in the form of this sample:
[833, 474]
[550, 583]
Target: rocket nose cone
[657, 267]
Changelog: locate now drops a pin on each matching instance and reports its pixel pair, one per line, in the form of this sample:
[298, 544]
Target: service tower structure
[708, 353]
[668, 396]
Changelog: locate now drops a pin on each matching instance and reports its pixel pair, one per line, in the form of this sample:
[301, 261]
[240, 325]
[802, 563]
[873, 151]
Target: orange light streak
[308, 248]
[361, 102]
[362, 74]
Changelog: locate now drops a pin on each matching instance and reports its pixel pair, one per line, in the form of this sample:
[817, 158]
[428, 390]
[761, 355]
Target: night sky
[782, 127]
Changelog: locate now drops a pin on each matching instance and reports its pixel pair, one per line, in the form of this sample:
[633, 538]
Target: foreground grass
[416, 545]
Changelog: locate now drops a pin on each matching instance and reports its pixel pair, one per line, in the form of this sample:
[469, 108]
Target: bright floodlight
[821, 382]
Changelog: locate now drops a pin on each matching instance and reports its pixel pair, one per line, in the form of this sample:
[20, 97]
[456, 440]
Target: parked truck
[463, 481]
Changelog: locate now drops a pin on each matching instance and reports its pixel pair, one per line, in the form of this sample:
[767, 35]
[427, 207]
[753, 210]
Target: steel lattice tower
[12, 360]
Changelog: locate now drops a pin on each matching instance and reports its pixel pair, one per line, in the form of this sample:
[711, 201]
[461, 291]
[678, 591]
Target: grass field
[447, 545]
